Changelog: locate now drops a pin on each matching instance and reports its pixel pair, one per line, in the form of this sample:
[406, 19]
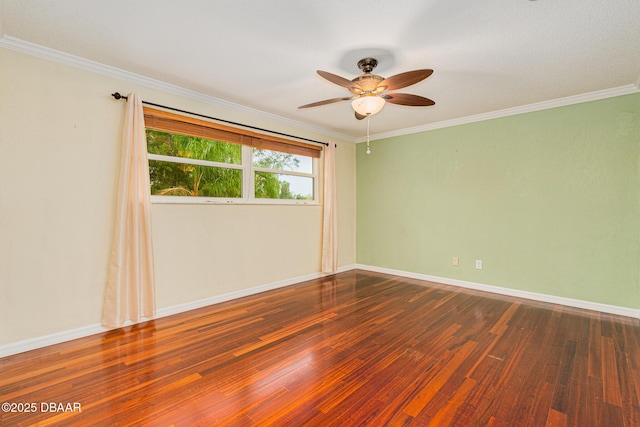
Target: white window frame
[248, 182]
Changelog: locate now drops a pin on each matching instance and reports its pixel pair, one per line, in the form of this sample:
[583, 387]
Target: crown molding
[49, 54]
[43, 52]
[529, 108]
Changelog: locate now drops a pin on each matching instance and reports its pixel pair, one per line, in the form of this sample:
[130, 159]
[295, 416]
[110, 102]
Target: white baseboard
[46, 340]
[569, 302]
[181, 308]
[59, 337]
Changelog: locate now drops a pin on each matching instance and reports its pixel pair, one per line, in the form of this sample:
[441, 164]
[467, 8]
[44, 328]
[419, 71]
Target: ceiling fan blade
[340, 81]
[326, 101]
[405, 79]
[408, 99]
[360, 116]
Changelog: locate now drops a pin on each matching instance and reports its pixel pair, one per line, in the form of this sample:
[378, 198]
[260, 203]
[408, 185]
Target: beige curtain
[130, 285]
[330, 213]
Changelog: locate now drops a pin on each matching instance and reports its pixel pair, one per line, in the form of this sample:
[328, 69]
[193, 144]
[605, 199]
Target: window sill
[175, 200]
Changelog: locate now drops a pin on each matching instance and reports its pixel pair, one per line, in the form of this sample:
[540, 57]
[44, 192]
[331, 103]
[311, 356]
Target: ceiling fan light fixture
[368, 105]
[369, 91]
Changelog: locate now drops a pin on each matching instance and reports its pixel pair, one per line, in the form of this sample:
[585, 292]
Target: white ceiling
[488, 55]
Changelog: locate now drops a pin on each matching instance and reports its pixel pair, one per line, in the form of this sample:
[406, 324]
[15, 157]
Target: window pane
[191, 147]
[177, 179]
[283, 161]
[280, 186]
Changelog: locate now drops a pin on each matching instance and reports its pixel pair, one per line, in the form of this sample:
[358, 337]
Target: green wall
[549, 201]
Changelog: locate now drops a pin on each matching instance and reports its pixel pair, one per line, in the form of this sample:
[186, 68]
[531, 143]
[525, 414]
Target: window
[194, 161]
[280, 175]
[181, 165]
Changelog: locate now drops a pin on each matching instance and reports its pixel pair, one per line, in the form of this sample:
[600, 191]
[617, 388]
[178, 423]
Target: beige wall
[59, 147]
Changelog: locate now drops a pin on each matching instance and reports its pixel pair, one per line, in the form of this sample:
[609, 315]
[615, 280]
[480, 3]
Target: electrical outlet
[455, 261]
[478, 264]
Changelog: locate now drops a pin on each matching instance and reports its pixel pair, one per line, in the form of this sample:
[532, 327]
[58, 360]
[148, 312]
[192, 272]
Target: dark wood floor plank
[611, 377]
[357, 348]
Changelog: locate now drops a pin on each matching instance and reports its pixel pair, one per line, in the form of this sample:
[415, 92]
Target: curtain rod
[117, 95]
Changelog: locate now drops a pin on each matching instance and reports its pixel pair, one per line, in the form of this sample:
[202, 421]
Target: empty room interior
[330, 213]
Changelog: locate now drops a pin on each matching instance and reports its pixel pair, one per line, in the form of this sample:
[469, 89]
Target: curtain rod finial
[117, 96]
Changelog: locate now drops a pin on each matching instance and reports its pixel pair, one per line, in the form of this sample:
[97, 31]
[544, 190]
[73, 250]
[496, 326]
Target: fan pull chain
[368, 122]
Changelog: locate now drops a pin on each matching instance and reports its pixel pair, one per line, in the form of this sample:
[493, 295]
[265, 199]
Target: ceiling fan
[369, 91]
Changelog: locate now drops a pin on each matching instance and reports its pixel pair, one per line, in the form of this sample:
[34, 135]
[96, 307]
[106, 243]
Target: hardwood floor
[358, 348]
